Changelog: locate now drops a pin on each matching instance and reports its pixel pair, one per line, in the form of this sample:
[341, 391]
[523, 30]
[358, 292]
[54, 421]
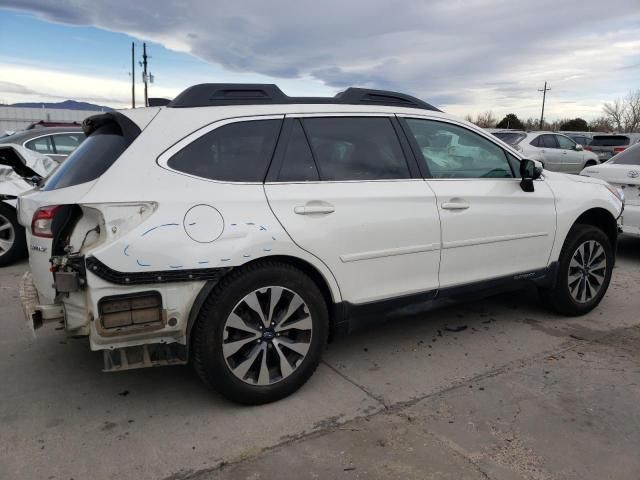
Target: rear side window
[91, 159]
[630, 156]
[610, 141]
[546, 141]
[236, 152]
[356, 148]
[41, 145]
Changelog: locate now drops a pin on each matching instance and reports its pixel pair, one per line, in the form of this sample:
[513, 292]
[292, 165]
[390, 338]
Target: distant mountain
[67, 104]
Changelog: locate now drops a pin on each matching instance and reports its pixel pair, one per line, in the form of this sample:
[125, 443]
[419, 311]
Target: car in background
[606, 146]
[54, 142]
[555, 151]
[623, 171]
[582, 138]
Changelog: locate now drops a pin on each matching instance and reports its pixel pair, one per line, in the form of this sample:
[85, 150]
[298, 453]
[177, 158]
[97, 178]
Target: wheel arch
[333, 304]
[602, 219]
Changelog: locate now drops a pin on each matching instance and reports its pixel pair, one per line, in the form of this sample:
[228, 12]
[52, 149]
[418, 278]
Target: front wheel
[584, 271]
[261, 332]
[13, 244]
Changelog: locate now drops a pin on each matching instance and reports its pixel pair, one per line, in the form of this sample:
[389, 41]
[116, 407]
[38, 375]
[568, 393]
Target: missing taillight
[42, 222]
[132, 311]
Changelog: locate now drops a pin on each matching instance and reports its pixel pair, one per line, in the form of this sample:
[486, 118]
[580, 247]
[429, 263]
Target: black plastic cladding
[223, 94]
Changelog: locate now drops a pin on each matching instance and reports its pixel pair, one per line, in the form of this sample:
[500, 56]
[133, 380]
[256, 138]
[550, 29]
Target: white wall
[18, 118]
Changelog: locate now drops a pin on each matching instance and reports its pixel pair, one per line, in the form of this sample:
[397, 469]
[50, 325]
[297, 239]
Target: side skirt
[351, 317]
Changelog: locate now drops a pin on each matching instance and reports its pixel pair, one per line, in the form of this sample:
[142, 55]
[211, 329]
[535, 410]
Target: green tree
[575, 125]
[511, 121]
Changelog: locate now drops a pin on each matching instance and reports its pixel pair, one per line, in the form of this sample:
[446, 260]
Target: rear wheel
[260, 334]
[13, 244]
[584, 271]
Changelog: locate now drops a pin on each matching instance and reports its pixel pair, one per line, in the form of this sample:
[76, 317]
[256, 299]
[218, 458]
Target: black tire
[560, 297]
[14, 233]
[208, 333]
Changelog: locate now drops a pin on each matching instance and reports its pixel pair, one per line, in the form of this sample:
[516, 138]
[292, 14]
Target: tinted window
[512, 138]
[630, 156]
[547, 141]
[298, 164]
[536, 142]
[91, 159]
[450, 151]
[363, 148]
[41, 145]
[565, 143]
[609, 141]
[236, 152]
[67, 143]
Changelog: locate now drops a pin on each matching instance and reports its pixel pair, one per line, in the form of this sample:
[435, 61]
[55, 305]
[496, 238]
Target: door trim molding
[486, 240]
[388, 252]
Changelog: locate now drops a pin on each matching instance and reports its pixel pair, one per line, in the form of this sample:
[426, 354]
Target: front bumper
[630, 220]
[35, 313]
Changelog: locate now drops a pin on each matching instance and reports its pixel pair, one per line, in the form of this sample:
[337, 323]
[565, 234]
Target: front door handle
[311, 209]
[455, 206]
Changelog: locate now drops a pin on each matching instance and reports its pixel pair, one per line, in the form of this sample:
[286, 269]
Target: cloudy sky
[465, 56]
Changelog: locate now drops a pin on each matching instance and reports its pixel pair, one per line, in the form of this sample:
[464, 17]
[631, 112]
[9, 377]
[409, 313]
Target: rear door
[491, 228]
[343, 188]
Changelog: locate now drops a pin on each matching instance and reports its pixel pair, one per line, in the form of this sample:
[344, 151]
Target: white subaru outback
[239, 229]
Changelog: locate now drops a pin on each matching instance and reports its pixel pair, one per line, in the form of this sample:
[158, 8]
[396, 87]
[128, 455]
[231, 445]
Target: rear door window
[547, 141]
[65, 143]
[356, 148]
[298, 164]
[236, 152]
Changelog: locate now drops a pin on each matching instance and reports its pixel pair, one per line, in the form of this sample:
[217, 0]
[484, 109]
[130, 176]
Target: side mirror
[578, 147]
[530, 170]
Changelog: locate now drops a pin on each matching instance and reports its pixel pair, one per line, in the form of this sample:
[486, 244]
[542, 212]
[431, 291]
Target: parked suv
[54, 142]
[606, 146]
[555, 151]
[240, 229]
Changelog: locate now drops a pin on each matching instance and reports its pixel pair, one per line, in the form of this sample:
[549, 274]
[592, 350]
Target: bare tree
[483, 120]
[600, 124]
[624, 113]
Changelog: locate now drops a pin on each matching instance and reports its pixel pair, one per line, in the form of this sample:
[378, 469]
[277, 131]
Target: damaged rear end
[127, 321]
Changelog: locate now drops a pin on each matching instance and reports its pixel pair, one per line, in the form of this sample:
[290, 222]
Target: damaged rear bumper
[35, 313]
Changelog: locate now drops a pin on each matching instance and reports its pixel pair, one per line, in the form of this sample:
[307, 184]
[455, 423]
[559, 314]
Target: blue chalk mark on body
[250, 223]
[143, 264]
[159, 226]
[225, 259]
[234, 224]
[273, 238]
[192, 223]
[125, 250]
[203, 261]
[246, 256]
[175, 266]
[262, 227]
[267, 249]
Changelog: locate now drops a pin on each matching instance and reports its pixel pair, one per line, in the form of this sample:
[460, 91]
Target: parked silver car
[556, 151]
[606, 146]
[54, 142]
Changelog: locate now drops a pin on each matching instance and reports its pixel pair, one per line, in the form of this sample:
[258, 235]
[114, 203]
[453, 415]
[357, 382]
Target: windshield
[631, 156]
[610, 141]
[512, 138]
[91, 159]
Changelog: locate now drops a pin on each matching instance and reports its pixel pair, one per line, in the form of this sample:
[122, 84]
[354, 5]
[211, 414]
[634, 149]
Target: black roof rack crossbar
[222, 94]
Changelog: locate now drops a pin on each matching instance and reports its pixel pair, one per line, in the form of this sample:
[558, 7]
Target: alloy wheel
[7, 235]
[587, 271]
[267, 335]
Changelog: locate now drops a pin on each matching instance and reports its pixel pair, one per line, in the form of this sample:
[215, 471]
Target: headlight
[617, 192]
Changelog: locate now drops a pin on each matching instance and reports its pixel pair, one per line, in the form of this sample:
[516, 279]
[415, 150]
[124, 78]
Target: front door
[491, 228]
[572, 159]
[344, 192]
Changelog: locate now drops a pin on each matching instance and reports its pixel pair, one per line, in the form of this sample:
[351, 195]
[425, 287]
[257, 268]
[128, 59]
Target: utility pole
[145, 77]
[544, 95]
[133, 75]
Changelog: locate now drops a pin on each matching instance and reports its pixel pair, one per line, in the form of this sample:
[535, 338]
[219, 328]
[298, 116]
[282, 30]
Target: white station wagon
[240, 229]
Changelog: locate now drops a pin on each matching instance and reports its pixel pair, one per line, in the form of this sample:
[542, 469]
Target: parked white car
[20, 170]
[623, 171]
[240, 229]
[556, 152]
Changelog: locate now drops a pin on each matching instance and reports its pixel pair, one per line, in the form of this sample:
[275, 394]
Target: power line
[544, 96]
[133, 75]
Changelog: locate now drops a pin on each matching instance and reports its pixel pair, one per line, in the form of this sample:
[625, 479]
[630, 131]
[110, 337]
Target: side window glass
[356, 148]
[298, 164]
[548, 141]
[67, 143]
[41, 145]
[565, 143]
[536, 142]
[450, 151]
[236, 152]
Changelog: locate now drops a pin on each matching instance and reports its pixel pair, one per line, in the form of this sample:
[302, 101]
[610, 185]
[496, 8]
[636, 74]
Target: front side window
[565, 143]
[41, 145]
[236, 152]
[356, 148]
[450, 151]
[65, 143]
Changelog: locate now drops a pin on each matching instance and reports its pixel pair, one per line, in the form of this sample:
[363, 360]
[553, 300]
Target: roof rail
[223, 94]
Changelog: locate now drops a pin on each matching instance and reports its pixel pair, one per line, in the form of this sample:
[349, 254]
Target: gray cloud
[444, 51]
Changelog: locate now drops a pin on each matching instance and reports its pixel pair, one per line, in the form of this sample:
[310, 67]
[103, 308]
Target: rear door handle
[455, 206]
[310, 209]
